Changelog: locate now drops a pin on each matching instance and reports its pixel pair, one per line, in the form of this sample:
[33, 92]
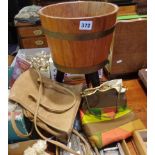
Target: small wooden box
[140, 139]
[34, 42]
[31, 35]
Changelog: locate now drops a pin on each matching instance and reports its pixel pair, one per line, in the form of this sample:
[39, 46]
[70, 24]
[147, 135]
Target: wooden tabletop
[137, 99]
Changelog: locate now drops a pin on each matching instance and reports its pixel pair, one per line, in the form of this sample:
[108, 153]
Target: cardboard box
[18, 148]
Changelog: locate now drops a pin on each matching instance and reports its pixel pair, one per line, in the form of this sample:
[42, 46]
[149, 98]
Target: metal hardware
[37, 32]
[39, 42]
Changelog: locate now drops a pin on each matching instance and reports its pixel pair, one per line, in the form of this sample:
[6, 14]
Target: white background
[4, 81]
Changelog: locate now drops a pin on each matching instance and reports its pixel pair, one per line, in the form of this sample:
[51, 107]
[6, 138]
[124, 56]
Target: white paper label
[119, 61]
[85, 25]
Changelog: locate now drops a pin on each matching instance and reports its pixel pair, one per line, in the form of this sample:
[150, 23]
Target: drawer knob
[39, 42]
[37, 32]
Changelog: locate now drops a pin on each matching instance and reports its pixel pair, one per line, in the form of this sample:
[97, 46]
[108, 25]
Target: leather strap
[85, 142]
[100, 89]
[45, 138]
[57, 151]
[41, 135]
[60, 89]
[55, 110]
[15, 128]
[41, 124]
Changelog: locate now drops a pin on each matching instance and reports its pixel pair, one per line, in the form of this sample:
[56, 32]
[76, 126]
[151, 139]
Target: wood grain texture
[137, 99]
[30, 31]
[131, 146]
[28, 34]
[65, 18]
[140, 140]
[34, 42]
[127, 10]
[21, 24]
[129, 49]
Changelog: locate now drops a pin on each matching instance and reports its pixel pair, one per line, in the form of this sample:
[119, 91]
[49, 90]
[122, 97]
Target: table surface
[137, 98]
[137, 101]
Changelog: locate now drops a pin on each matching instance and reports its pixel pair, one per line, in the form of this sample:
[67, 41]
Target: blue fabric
[10, 71]
[12, 137]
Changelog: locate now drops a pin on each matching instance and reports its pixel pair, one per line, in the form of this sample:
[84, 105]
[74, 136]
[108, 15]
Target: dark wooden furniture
[30, 35]
[129, 49]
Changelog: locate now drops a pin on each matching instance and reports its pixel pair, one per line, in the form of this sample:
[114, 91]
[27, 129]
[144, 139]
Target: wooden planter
[79, 34]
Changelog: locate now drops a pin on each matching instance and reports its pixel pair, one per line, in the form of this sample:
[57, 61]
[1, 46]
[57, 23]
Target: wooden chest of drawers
[30, 36]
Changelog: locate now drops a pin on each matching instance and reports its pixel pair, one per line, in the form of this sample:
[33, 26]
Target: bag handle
[98, 88]
[40, 123]
[15, 128]
[20, 134]
[50, 108]
[103, 90]
[59, 88]
[49, 140]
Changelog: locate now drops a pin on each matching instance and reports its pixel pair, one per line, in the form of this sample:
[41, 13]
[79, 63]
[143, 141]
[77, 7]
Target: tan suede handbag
[49, 104]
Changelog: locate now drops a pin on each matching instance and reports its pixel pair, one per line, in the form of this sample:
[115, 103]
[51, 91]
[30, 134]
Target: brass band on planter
[81, 70]
[80, 37]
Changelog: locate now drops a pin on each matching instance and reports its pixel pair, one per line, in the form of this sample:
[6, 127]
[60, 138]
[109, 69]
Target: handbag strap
[104, 90]
[58, 144]
[47, 139]
[41, 124]
[22, 135]
[98, 88]
[15, 128]
[59, 88]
